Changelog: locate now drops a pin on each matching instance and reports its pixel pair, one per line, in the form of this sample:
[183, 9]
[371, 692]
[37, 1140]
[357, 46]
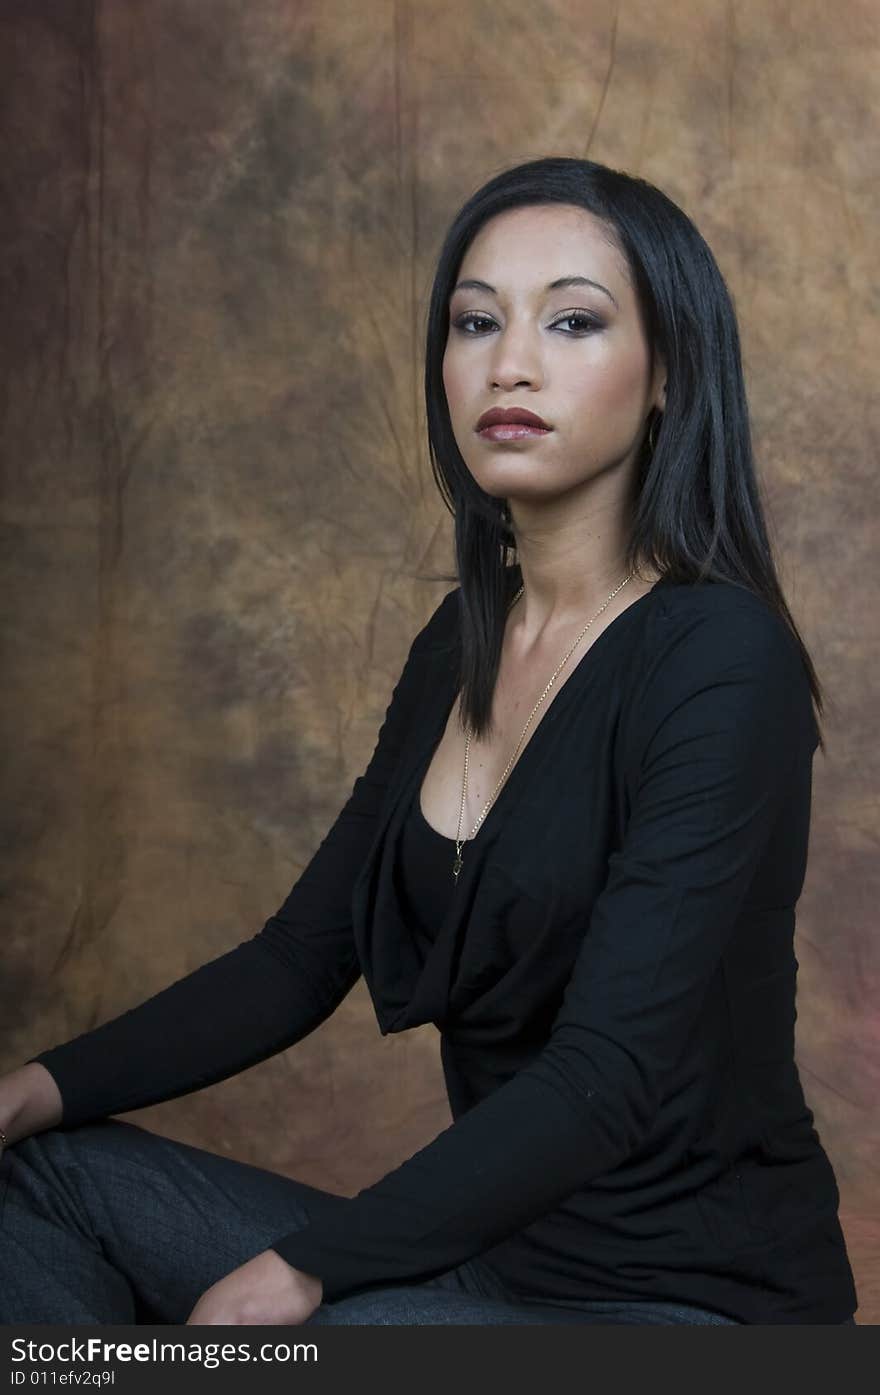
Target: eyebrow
[562, 283]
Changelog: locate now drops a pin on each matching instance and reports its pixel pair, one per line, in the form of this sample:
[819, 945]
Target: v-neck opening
[581, 665]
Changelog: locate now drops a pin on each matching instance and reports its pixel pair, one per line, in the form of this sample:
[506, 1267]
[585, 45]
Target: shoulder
[441, 628]
[720, 642]
[716, 622]
[708, 598]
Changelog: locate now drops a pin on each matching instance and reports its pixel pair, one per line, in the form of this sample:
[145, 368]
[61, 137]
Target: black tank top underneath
[425, 870]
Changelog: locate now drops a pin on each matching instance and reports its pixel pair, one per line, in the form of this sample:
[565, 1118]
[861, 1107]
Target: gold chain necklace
[456, 866]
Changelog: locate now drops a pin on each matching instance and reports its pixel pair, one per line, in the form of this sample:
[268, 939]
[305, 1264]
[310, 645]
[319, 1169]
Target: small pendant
[456, 866]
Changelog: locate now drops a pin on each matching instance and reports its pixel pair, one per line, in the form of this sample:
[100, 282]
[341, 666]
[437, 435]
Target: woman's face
[576, 355]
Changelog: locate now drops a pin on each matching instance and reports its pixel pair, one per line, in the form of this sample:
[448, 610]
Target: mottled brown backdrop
[219, 226]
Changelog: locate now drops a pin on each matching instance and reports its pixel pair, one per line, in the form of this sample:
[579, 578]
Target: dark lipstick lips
[505, 415]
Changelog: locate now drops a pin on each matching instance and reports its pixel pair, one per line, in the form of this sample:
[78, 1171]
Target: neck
[562, 591]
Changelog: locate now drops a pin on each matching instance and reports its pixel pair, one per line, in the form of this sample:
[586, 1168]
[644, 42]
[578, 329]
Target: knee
[60, 1137]
[387, 1307]
[62, 1146]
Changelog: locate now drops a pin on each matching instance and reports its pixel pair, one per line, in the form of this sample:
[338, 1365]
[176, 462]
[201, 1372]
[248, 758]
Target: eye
[589, 323]
[471, 318]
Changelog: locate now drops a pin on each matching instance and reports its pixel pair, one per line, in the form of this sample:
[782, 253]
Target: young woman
[577, 849]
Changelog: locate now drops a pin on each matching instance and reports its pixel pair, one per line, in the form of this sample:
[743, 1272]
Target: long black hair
[698, 515]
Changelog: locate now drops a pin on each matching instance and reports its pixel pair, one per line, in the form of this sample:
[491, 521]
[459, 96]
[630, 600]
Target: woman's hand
[29, 1102]
[266, 1290]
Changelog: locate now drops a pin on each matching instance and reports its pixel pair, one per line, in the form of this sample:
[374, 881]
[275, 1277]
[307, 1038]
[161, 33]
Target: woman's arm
[722, 724]
[272, 989]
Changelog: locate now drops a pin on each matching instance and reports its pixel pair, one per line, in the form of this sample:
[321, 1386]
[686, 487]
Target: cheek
[617, 388]
[450, 379]
[457, 397]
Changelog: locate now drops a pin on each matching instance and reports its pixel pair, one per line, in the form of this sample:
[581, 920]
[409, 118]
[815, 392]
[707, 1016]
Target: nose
[515, 360]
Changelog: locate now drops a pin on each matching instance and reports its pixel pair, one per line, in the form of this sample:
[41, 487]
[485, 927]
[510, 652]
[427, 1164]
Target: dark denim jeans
[110, 1223]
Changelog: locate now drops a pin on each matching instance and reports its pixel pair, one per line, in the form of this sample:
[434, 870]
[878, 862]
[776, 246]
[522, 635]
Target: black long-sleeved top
[613, 977]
